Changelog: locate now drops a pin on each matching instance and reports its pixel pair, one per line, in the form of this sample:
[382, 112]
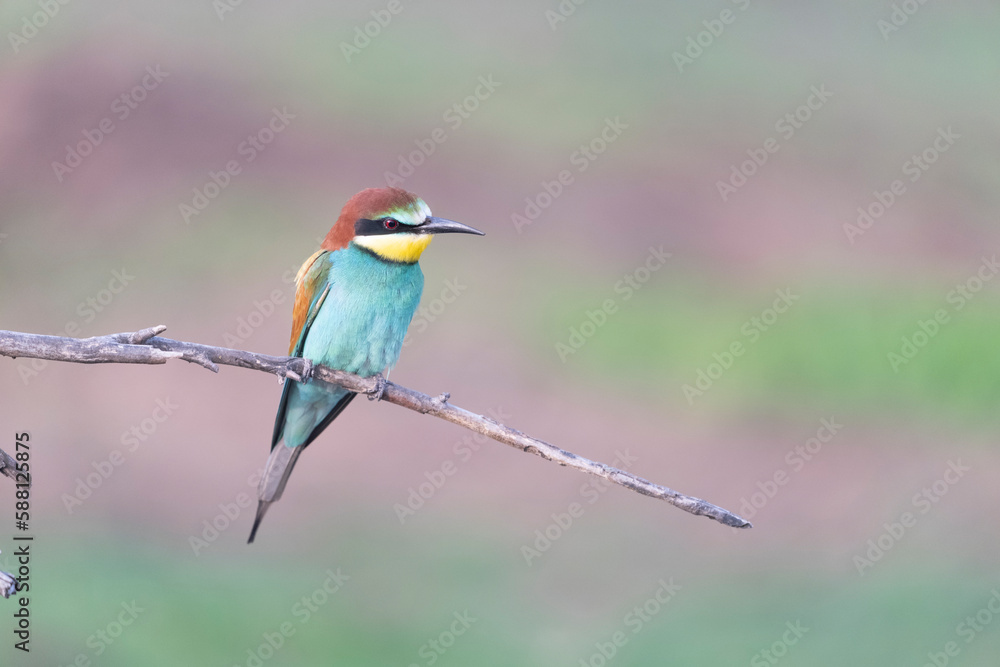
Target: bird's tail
[279, 467]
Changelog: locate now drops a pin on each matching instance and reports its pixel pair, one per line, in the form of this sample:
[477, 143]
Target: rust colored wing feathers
[305, 294]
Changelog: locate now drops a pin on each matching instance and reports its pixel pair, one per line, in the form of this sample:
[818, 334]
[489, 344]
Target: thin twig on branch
[146, 347]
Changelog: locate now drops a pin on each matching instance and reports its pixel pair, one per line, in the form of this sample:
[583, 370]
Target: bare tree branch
[8, 466]
[146, 347]
[8, 584]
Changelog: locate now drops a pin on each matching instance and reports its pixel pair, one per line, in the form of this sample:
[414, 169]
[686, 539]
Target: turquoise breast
[362, 323]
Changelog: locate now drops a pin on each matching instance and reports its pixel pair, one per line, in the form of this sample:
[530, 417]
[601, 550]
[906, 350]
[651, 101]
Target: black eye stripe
[366, 227]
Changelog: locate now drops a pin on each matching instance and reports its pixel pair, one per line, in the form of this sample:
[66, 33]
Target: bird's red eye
[390, 223]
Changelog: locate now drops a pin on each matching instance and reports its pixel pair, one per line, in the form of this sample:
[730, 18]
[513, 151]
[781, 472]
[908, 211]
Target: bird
[354, 299]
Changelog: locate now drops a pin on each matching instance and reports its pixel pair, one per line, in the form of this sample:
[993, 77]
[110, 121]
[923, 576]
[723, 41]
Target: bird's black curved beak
[441, 226]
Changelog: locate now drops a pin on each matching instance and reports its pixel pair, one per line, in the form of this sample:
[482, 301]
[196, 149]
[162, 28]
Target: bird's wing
[310, 292]
[311, 287]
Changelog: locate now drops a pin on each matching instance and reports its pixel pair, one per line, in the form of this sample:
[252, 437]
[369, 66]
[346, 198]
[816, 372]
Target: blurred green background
[495, 313]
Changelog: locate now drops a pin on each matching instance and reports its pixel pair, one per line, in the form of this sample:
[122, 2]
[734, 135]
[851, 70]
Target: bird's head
[392, 223]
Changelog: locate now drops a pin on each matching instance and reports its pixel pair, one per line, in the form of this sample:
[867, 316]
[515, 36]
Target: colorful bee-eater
[354, 299]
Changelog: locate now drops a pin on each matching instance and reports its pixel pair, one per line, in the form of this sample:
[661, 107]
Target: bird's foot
[307, 368]
[380, 384]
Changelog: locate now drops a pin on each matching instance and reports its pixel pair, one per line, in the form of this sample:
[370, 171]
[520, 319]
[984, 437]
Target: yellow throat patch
[404, 247]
